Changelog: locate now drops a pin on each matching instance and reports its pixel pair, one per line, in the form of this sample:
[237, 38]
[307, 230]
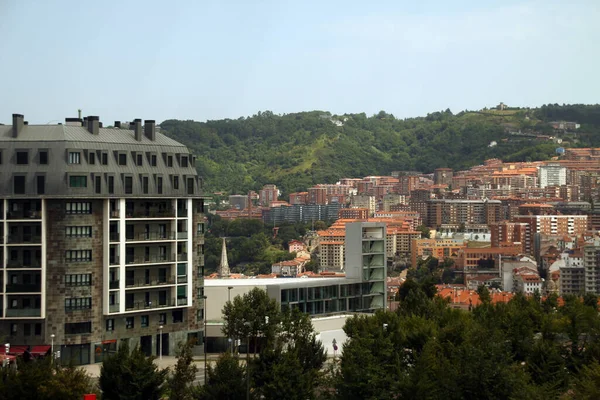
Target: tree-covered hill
[298, 150]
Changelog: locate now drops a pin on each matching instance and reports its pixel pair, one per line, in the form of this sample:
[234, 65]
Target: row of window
[78, 280]
[78, 303]
[37, 329]
[75, 157]
[78, 255]
[81, 181]
[177, 317]
[78, 231]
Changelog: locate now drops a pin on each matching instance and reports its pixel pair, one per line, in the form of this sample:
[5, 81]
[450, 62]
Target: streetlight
[229, 301]
[160, 329]
[52, 336]
[205, 346]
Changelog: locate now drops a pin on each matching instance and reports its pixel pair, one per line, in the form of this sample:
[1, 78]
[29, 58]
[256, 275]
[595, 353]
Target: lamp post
[160, 330]
[52, 336]
[205, 337]
[229, 301]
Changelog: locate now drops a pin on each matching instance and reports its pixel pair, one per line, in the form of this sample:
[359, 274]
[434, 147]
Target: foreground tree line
[529, 348]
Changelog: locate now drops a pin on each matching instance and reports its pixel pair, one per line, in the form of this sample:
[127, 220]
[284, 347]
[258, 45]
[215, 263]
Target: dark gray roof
[81, 134]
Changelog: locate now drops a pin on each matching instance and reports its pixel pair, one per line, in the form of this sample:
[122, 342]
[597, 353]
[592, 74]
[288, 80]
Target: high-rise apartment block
[552, 175]
[102, 238]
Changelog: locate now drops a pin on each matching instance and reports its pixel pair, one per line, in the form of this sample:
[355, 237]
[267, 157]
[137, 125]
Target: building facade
[102, 238]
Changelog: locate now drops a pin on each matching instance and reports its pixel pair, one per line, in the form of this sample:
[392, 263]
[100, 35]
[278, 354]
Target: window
[175, 182]
[43, 157]
[37, 329]
[22, 158]
[145, 184]
[78, 279]
[77, 181]
[145, 320]
[169, 161]
[13, 329]
[92, 158]
[78, 303]
[78, 231]
[122, 158]
[41, 184]
[110, 324]
[129, 323]
[200, 229]
[190, 185]
[184, 161]
[74, 157]
[162, 318]
[128, 185]
[78, 255]
[153, 160]
[98, 184]
[177, 316]
[138, 160]
[79, 207]
[104, 158]
[111, 184]
[78, 328]
[27, 329]
[19, 184]
[159, 184]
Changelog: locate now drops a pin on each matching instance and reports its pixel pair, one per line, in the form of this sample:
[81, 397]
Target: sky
[205, 60]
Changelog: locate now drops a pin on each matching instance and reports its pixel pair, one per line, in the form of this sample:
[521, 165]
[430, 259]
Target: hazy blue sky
[224, 59]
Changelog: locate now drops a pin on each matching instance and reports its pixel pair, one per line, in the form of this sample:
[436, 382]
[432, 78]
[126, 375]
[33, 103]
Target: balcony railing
[113, 308]
[182, 301]
[152, 282]
[150, 236]
[113, 284]
[143, 305]
[182, 279]
[182, 235]
[23, 288]
[22, 214]
[29, 239]
[151, 214]
[114, 261]
[114, 214]
[20, 264]
[147, 260]
[182, 257]
[23, 312]
[182, 213]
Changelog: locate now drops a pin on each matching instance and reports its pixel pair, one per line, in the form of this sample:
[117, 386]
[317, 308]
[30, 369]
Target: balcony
[114, 260]
[23, 288]
[150, 236]
[182, 301]
[150, 214]
[142, 305]
[149, 260]
[23, 214]
[22, 264]
[113, 284]
[182, 213]
[114, 214]
[182, 235]
[23, 312]
[24, 239]
[141, 283]
[182, 257]
[182, 278]
[113, 308]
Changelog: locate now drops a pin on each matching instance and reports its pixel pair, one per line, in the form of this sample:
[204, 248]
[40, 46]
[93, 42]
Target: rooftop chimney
[150, 129]
[93, 124]
[17, 124]
[137, 128]
[118, 124]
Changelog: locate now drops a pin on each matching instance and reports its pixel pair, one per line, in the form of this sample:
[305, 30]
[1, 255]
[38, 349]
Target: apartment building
[268, 194]
[508, 233]
[102, 238]
[552, 175]
[554, 225]
[591, 263]
[456, 212]
[438, 248]
[572, 274]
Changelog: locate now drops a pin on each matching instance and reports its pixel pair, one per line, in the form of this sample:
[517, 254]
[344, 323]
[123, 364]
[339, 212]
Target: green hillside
[298, 150]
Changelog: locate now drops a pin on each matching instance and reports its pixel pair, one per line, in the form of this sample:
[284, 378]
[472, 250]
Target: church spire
[224, 264]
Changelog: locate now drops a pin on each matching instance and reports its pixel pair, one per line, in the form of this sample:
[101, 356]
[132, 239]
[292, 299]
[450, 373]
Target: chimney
[17, 124]
[118, 124]
[150, 129]
[93, 124]
[137, 128]
[100, 124]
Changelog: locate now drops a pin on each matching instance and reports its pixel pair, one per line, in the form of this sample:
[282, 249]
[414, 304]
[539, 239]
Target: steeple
[224, 264]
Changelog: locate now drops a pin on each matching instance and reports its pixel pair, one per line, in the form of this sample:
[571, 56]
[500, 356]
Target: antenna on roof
[79, 113]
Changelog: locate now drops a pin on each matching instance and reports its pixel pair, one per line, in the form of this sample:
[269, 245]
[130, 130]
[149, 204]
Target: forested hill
[298, 150]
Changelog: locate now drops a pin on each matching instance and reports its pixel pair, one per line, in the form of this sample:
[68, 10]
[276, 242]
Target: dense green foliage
[131, 375]
[226, 380]
[179, 382]
[298, 150]
[527, 348]
[40, 380]
[252, 247]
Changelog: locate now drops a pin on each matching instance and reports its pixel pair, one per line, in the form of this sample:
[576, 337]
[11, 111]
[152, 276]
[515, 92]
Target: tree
[179, 383]
[226, 380]
[40, 379]
[425, 232]
[130, 375]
